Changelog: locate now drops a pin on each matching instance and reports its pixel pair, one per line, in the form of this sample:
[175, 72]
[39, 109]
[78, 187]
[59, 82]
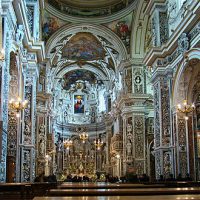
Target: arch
[55, 42]
[138, 32]
[189, 56]
[62, 72]
[96, 30]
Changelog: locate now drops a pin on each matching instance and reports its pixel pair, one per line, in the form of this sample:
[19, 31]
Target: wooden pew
[41, 189]
[13, 191]
[123, 192]
[107, 186]
[18, 191]
[159, 197]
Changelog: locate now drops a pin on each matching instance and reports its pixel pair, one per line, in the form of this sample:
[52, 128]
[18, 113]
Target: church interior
[103, 91]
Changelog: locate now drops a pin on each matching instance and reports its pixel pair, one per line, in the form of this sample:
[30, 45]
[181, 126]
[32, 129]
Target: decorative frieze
[181, 135]
[12, 134]
[157, 115]
[167, 164]
[129, 141]
[27, 116]
[158, 166]
[140, 167]
[195, 31]
[183, 43]
[30, 16]
[128, 80]
[139, 137]
[182, 148]
[26, 165]
[163, 27]
[165, 108]
[42, 141]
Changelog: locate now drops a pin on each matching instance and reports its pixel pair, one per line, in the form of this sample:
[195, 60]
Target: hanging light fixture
[98, 143]
[18, 105]
[185, 108]
[68, 143]
[83, 136]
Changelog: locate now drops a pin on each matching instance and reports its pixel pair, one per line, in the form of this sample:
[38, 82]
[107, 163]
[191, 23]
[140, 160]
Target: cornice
[96, 20]
[186, 25]
[29, 42]
[130, 63]
[135, 103]
[151, 5]
[90, 128]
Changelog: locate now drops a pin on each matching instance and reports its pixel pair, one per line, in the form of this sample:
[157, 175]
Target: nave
[99, 92]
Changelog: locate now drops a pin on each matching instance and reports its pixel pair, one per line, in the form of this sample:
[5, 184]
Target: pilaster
[28, 127]
[163, 132]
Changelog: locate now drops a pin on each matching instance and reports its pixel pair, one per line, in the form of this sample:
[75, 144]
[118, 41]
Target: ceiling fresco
[50, 24]
[122, 28]
[80, 75]
[89, 8]
[83, 46]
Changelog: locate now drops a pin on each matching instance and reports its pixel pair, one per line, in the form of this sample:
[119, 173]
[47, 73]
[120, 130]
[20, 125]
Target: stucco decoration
[90, 8]
[84, 47]
[111, 43]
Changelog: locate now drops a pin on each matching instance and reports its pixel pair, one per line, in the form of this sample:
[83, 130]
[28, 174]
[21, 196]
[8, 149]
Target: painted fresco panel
[83, 46]
[122, 28]
[78, 104]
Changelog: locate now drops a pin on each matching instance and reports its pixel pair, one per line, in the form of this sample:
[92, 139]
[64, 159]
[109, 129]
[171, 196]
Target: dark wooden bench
[161, 197]
[41, 189]
[107, 186]
[123, 192]
[26, 191]
[13, 191]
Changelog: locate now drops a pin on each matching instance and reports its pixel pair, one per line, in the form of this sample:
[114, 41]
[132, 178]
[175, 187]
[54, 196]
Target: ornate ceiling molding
[97, 20]
[96, 30]
[115, 50]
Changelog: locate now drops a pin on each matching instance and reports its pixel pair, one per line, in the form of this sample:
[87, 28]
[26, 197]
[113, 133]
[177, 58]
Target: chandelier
[68, 143]
[98, 143]
[18, 105]
[83, 136]
[185, 108]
